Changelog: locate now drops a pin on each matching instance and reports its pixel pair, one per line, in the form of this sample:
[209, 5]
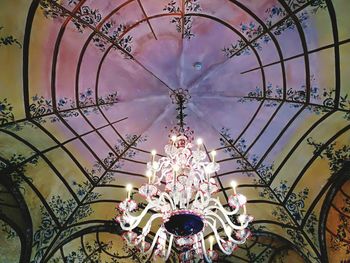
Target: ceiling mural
[86, 94]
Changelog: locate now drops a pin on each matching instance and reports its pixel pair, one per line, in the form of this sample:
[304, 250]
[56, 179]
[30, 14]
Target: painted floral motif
[83, 191]
[296, 204]
[6, 114]
[311, 227]
[111, 161]
[335, 155]
[255, 34]
[227, 141]
[67, 107]
[316, 4]
[8, 40]
[266, 172]
[16, 166]
[282, 190]
[66, 211]
[299, 240]
[51, 10]
[296, 98]
[114, 33]
[340, 240]
[8, 231]
[86, 16]
[190, 7]
[282, 216]
[263, 257]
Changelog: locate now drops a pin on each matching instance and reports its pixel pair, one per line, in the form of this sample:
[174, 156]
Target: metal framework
[105, 226]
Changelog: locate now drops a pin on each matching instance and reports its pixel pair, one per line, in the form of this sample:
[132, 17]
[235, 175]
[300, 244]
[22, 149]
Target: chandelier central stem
[180, 97]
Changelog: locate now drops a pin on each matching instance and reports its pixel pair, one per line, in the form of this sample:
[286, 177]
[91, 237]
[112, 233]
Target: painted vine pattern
[8, 40]
[6, 112]
[69, 211]
[8, 231]
[16, 166]
[294, 210]
[191, 6]
[257, 37]
[110, 32]
[342, 238]
[67, 107]
[296, 98]
[336, 156]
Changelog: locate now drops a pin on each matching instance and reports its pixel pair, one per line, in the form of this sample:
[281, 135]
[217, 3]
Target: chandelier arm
[147, 227]
[155, 239]
[233, 212]
[220, 220]
[199, 195]
[219, 239]
[204, 250]
[221, 208]
[160, 178]
[136, 219]
[169, 247]
[243, 226]
[228, 233]
[170, 201]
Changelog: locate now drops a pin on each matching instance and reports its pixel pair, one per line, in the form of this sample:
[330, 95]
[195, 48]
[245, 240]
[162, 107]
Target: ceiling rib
[304, 46]
[272, 36]
[281, 21]
[96, 31]
[298, 55]
[148, 22]
[48, 253]
[276, 197]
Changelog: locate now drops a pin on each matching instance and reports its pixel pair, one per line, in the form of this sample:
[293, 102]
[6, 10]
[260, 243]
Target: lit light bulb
[229, 231]
[242, 219]
[213, 154]
[173, 138]
[129, 189]
[199, 143]
[234, 185]
[211, 242]
[153, 152]
[149, 175]
[176, 168]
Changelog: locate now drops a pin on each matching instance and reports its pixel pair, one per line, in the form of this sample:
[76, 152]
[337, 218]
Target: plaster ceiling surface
[85, 95]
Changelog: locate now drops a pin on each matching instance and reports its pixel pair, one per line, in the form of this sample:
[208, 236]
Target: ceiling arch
[85, 97]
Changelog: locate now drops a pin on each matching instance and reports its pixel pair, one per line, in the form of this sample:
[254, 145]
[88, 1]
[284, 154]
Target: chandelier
[180, 202]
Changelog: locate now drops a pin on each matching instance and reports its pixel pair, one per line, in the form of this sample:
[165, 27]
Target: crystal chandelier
[180, 192]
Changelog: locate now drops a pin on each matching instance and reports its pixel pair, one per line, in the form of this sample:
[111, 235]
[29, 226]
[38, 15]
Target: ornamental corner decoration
[180, 191]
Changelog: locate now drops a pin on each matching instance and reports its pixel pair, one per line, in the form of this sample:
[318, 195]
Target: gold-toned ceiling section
[337, 234]
[84, 98]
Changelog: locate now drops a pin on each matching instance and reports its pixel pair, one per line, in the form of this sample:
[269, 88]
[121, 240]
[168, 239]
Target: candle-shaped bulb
[211, 242]
[173, 138]
[149, 175]
[213, 154]
[199, 143]
[153, 152]
[176, 168]
[128, 189]
[234, 185]
[244, 209]
[229, 231]
[242, 219]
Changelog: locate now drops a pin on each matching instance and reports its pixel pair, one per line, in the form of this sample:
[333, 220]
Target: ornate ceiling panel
[85, 96]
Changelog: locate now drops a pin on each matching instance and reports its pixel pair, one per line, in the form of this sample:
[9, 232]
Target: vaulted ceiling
[85, 95]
